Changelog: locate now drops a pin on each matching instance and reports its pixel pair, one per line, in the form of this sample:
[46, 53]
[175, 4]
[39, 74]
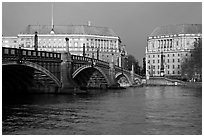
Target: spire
[52, 23]
[52, 18]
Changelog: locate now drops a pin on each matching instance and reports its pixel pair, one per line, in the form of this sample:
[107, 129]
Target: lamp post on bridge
[92, 52]
[162, 65]
[97, 53]
[92, 62]
[84, 54]
[20, 55]
[36, 41]
[67, 44]
[122, 59]
[112, 59]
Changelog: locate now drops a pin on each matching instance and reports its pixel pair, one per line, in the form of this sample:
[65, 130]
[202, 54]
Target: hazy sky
[132, 21]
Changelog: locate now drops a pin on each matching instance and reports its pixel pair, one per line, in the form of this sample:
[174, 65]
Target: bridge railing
[30, 54]
[88, 59]
[121, 69]
[125, 70]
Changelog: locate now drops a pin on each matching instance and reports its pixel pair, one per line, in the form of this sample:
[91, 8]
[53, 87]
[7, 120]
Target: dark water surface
[132, 111]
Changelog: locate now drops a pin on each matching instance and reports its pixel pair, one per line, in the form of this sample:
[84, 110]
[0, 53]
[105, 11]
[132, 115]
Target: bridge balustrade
[82, 59]
[29, 54]
[87, 59]
[121, 69]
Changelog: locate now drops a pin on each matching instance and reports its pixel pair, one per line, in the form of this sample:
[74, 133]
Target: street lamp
[112, 54]
[92, 52]
[92, 63]
[84, 53]
[122, 59]
[162, 65]
[97, 53]
[36, 41]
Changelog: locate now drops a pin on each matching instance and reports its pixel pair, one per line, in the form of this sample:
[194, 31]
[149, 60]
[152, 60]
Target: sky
[131, 21]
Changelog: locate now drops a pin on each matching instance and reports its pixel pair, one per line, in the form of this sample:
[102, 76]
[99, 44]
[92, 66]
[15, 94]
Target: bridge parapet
[89, 61]
[16, 54]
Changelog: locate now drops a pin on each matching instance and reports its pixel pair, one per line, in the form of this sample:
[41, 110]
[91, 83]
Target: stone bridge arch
[120, 74]
[89, 68]
[36, 67]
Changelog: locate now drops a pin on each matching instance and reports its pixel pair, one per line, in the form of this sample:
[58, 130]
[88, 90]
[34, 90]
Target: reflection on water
[144, 110]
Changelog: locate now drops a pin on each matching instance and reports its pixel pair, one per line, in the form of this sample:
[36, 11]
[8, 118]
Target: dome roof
[177, 29]
[70, 29]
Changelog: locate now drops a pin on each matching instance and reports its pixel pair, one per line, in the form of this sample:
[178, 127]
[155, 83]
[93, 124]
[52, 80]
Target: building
[11, 42]
[84, 40]
[173, 43]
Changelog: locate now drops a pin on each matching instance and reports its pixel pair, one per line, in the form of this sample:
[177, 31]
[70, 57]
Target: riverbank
[185, 84]
[193, 84]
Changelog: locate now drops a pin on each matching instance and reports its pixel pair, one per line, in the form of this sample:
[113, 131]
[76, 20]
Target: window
[148, 61]
[173, 55]
[173, 66]
[158, 61]
[178, 54]
[167, 55]
[168, 60]
[178, 60]
[168, 72]
[173, 72]
[153, 56]
[158, 56]
[187, 43]
[168, 66]
[178, 72]
[173, 60]
[153, 61]
[178, 66]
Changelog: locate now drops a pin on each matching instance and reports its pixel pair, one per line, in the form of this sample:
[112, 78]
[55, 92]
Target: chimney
[36, 41]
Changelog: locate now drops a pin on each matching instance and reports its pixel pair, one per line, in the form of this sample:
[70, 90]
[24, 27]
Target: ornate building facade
[11, 42]
[168, 47]
[84, 40]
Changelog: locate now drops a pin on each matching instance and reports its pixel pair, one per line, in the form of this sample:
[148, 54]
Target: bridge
[40, 71]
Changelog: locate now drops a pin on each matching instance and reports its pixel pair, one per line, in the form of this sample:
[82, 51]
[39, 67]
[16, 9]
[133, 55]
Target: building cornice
[67, 35]
[175, 35]
[13, 37]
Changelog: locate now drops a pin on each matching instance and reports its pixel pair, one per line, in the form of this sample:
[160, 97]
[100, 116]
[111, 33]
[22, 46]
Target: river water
[132, 111]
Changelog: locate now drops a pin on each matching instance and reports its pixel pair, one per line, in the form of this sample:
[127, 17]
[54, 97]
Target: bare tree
[130, 60]
[192, 68]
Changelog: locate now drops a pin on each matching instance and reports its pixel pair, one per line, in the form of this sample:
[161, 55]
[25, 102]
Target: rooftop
[70, 29]
[177, 29]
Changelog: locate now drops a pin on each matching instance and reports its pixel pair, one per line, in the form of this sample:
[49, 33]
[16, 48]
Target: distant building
[173, 43]
[11, 42]
[87, 40]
